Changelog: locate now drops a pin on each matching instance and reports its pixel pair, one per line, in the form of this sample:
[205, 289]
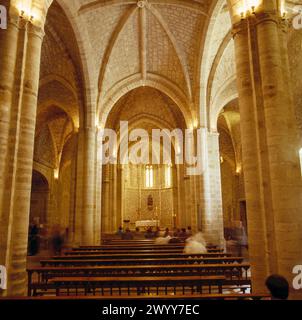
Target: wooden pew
[125, 247]
[141, 285]
[139, 249]
[190, 297]
[143, 261]
[109, 241]
[38, 277]
[141, 256]
[138, 252]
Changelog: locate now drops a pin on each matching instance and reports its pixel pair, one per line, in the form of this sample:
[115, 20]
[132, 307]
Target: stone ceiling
[94, 49]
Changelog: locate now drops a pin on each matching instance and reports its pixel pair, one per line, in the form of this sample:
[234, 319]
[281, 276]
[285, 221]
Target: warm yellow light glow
[56, 174]
[195, 124]
[248, 7]
[282, 9]
[253, 3]
[24, 7]
[27, 11]
[239, 169]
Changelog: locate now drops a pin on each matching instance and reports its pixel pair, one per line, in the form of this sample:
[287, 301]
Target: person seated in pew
[162, 240]
[137, 234]
[196, 244]
[183, 234]
[127, 235]
[278, 287]
[157, 232]
[120, 231]
[176, 232]
[167, 233]
[149, 233]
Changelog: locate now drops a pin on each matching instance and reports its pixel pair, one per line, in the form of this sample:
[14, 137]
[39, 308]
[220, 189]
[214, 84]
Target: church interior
[226, 71]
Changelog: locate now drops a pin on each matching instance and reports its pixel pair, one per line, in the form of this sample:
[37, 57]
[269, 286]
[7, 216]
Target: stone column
[88, 210]
[79, 188]
[211, 196]
[98, 188]
[113, 200]
[270, 145]
[119, 200]
[8, 53]
[19, 161]
[105, 199]
[185, 216]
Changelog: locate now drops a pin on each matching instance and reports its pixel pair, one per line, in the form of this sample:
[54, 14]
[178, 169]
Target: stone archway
[125, 193]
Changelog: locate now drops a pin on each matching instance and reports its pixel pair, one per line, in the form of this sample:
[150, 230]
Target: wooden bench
[118, 239]
[141, 256]
[123, 246]
[138, 246]
[190, 297]
[142, 285]
[139, 252]
[38, 277]
[143, 261]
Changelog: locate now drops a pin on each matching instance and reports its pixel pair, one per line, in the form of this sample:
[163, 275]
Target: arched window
[149, 177]
[168, 176]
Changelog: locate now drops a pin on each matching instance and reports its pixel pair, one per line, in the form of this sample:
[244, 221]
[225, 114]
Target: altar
[147, 223]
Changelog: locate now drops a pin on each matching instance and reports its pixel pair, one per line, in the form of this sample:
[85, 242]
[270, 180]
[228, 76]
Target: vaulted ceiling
[140, 40]
[96, 51]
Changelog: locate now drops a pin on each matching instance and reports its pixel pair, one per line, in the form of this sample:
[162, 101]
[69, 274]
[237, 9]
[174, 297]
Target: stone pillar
[19, 162]
[270, 145]
[113, 200]
[88, 210]
[211, 196]
[72, 213]
[79, 188]
[105, 199]
[119, 200]
[98, 188]
[180, 191]
[185, 216]
[8, 53]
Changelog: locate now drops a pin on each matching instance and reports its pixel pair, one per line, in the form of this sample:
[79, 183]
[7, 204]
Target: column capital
[253, 20]
[32, 23]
